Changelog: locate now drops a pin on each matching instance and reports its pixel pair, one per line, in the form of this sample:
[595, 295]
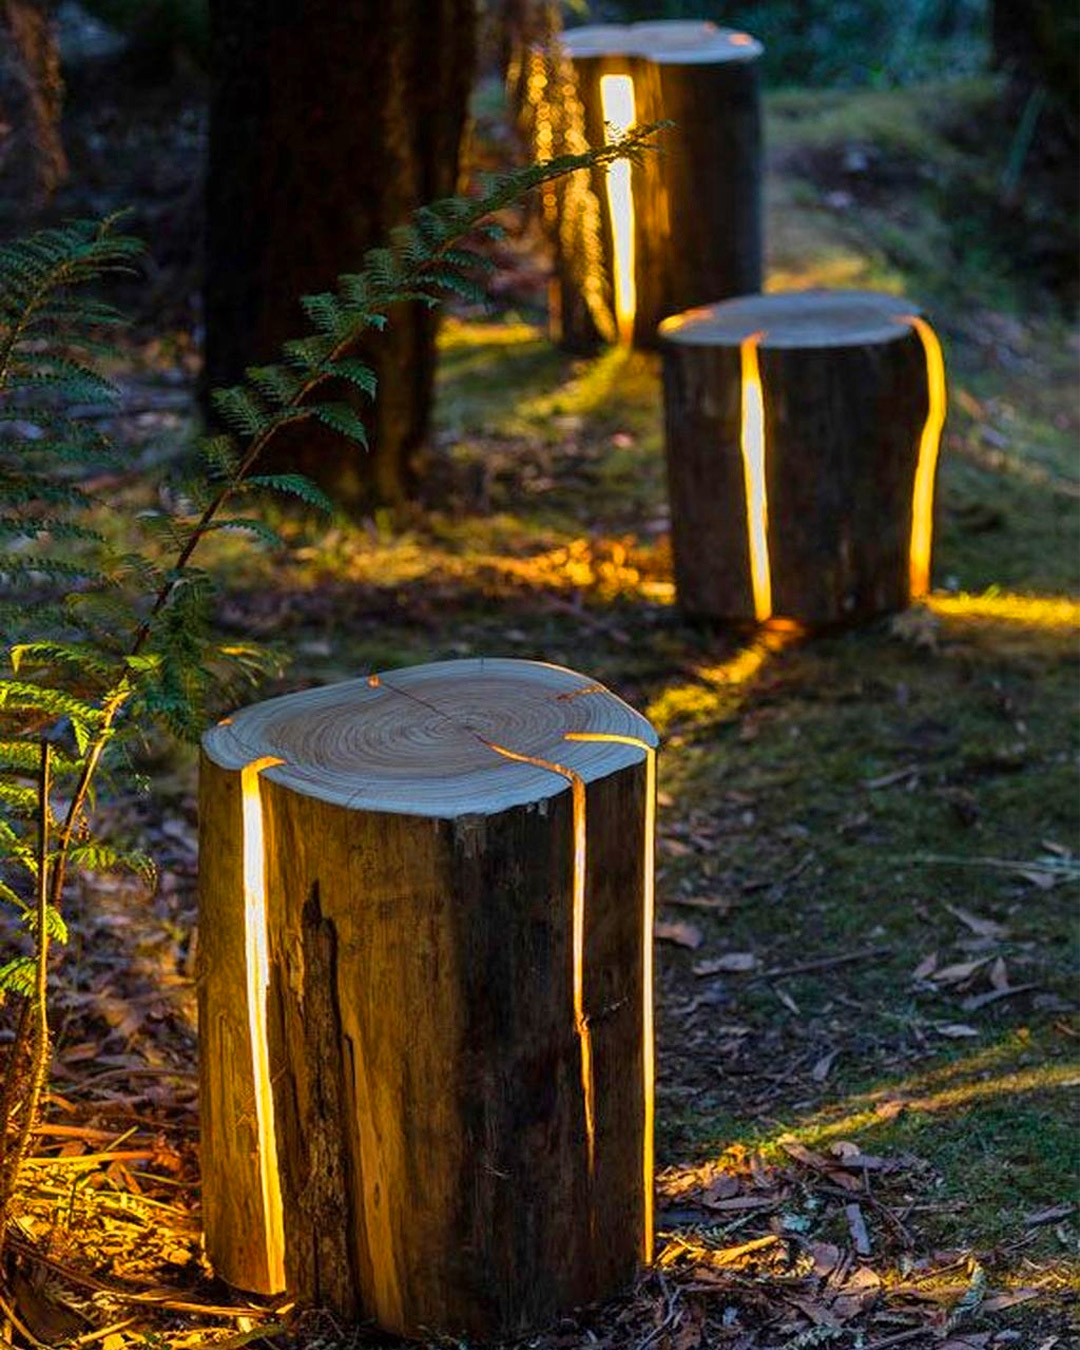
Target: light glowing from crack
[648, 917]
[257, 962]
[581, 1022]
[752, 445]
[618, 111]
[922, 504]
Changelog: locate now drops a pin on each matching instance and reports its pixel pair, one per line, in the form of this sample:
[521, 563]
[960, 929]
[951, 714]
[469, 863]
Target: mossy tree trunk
[330, 122]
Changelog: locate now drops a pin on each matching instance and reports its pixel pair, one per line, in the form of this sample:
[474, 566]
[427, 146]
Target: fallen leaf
[851, 1155]
[857, 1294]
[826, 1258]
[958, 973]
[738, 1202]
[813, 1311]
[806, 1156]
[788, 1002]
[682, 934]
[888, 779]
[999, 975]
[954, 1030]
[735, 963]
[722, 1188]
[977, 1001]
[822, 1068]
[718, 903]
[982, 927]
[1006, 1300]
[925, 967]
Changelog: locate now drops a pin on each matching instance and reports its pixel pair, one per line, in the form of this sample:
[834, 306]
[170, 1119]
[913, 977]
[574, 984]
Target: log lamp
[802, 436]
[685, 222]
[425, 996]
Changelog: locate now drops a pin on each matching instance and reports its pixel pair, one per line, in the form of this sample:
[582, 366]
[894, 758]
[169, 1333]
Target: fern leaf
[295, 485]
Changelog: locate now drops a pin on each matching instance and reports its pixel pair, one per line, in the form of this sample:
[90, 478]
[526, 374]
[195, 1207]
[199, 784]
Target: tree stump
[426, 995]
[685, 224]
[802, 433]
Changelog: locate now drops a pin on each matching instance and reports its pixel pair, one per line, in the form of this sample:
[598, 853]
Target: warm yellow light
[256, 949]
[581, 1022]
[922, 504]
[648, 921]
[752, 444]
[1029, 611]
[617, 109]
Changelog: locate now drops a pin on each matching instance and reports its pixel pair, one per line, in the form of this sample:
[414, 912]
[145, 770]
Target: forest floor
[867, 997]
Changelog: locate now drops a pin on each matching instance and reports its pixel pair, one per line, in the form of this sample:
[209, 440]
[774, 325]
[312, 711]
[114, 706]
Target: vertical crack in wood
[922, 502]
[581, 1021]
[752, 446]
[257, 973]
[322, 1182]
[648, 918]
[619, 114]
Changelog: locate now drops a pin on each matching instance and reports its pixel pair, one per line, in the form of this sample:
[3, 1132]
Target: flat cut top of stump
[421, 741]
[795, 319]
[678, 41]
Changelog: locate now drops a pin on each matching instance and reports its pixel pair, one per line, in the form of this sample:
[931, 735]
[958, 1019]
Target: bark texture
[32, 91]
[443, 1166]
[845, 396]
[330, 122]
[697, 203]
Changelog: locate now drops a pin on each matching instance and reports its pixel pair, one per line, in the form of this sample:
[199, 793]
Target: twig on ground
[824, 963]
[671, 1311]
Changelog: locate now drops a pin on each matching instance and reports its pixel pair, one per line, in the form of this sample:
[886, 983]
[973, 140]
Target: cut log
[802, 433]
[426, 996]
[684, 225]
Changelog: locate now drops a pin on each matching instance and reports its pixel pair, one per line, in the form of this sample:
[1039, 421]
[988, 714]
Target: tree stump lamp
[426, 995]
[802, 436]
[686, 222]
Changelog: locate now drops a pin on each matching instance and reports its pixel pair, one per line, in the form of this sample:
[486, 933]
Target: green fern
[99, 641]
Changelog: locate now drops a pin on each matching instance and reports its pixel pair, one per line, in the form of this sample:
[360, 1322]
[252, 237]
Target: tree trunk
[33, 98]
[802, 432]
[330, 122]
[697, 204]
[425, 920]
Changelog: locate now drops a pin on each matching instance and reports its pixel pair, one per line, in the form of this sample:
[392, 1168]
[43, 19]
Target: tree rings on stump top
[795, 319]
[685, 224]
[425, 984]
[431, 740]
[802, 435]
[678, 40]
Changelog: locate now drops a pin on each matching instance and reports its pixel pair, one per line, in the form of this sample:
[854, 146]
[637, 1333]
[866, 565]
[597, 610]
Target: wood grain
[845, 392]
[436, 1166]
[697, 203]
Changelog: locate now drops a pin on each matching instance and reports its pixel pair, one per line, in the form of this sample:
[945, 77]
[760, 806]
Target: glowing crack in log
[581, 1022]
[617, 107]
[257, 964]
[752, 445]
[648, 918]
[922, 502]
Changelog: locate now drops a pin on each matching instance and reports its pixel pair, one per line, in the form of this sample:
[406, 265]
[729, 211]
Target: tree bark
[457, 904]
[851, 406]
[697, 204]
[330, 122]
[33, 97]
